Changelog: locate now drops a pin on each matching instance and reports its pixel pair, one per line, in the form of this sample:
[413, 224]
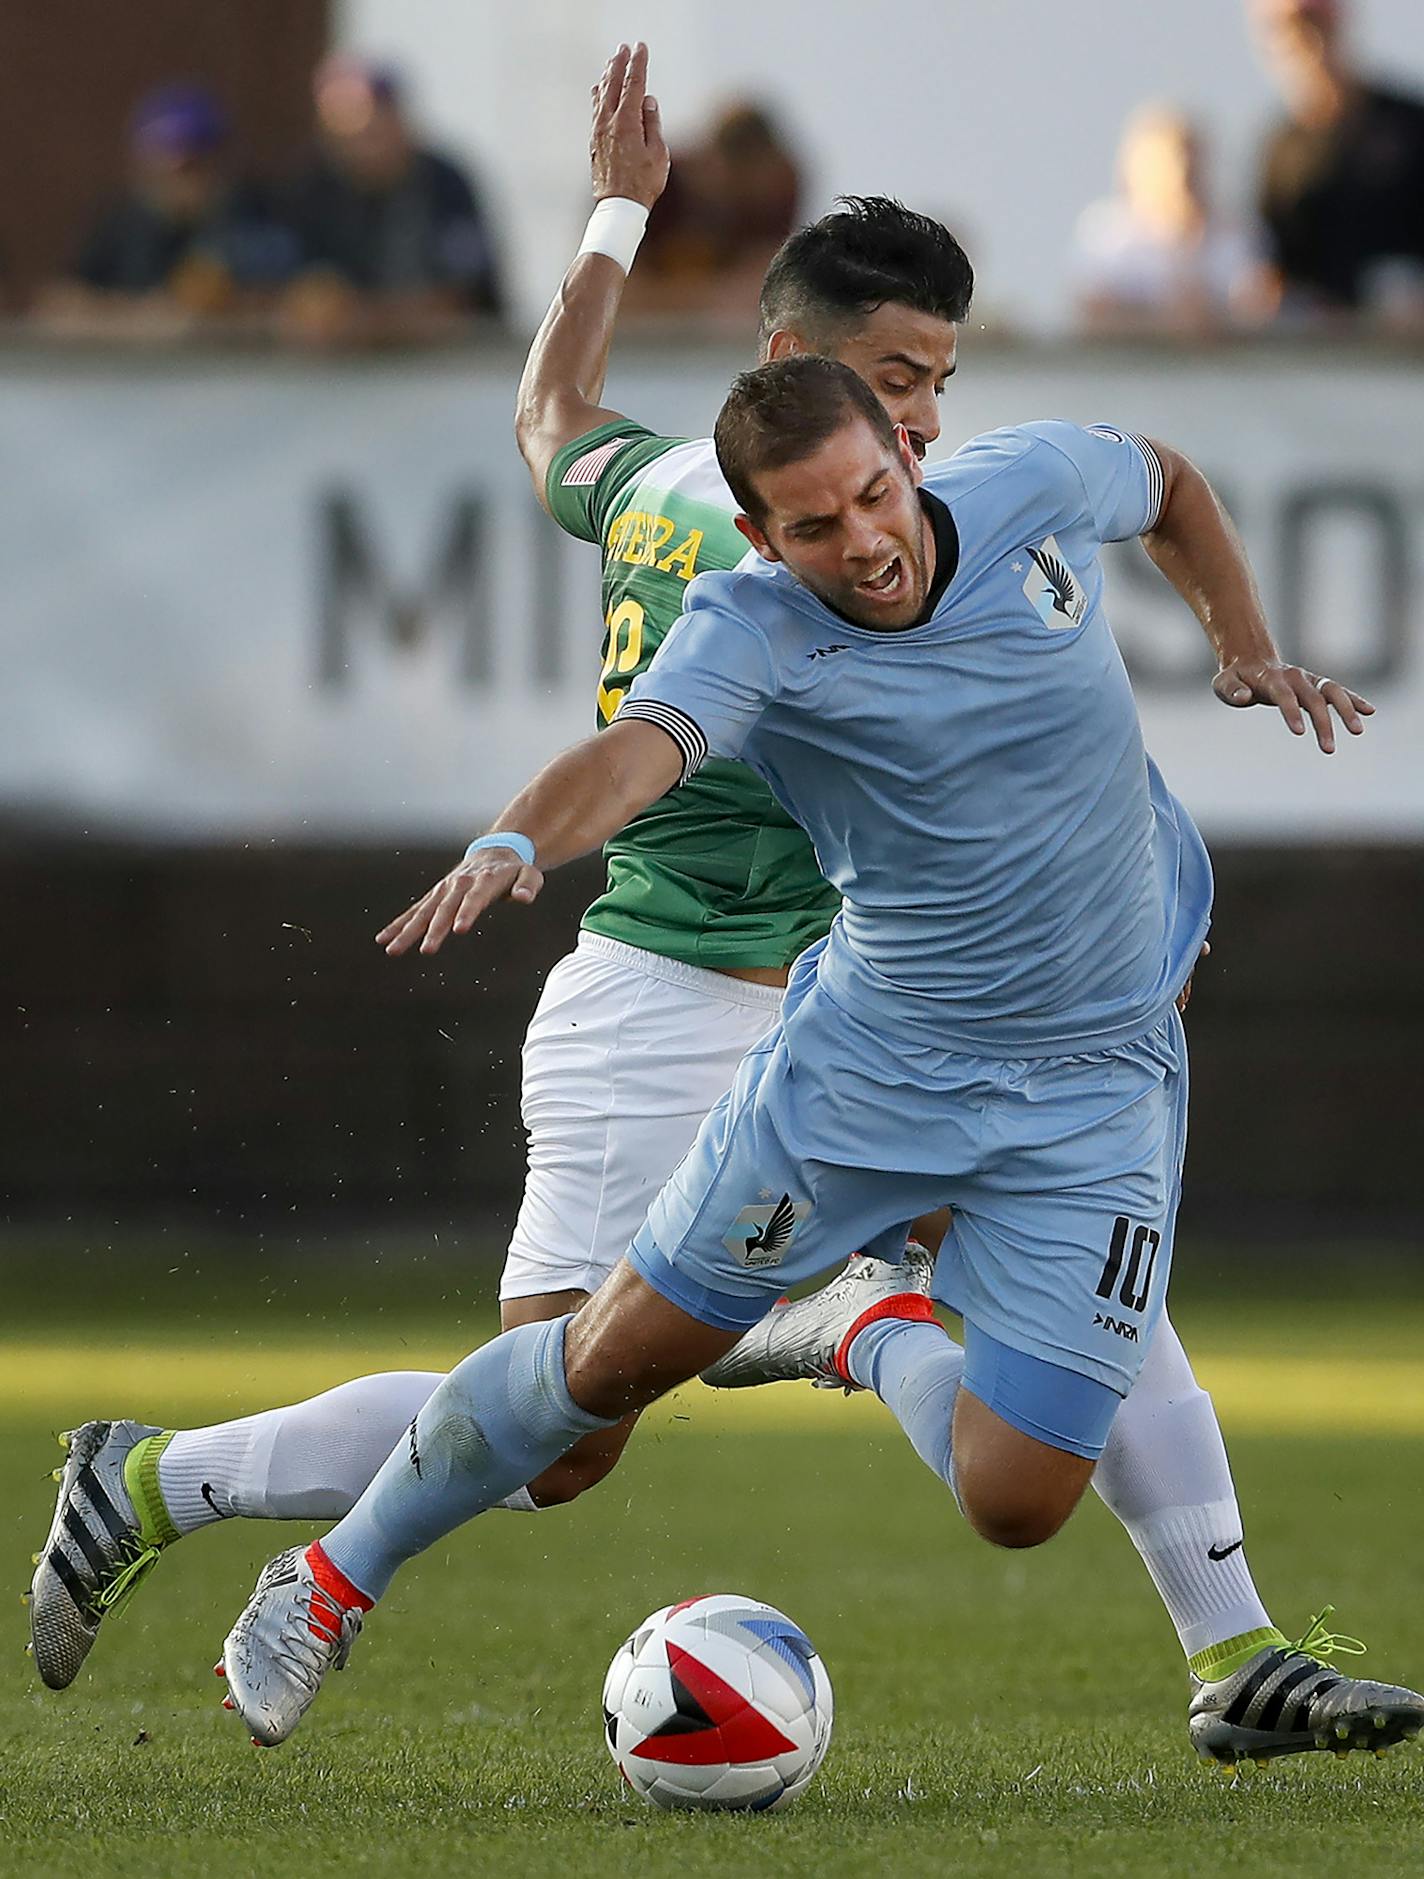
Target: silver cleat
[95, 1554]
[806, 1339]
[289, 1635]
[1288, 1700]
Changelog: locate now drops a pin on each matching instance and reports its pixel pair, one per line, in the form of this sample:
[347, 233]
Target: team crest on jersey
[1052, 587]
[760, 1235]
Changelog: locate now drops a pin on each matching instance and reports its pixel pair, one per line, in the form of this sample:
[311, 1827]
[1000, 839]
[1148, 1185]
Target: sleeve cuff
[1156, 481]
[685, 732]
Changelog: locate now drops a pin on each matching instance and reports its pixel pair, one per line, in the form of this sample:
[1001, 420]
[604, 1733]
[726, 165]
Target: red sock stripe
[333, 1581]
[913, 1307]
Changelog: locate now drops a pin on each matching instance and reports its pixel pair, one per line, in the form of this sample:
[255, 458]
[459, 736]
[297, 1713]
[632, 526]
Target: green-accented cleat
[1287, 1699]
[109, 1527]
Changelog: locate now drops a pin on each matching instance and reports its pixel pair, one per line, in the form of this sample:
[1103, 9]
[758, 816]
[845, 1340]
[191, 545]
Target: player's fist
[627, 149]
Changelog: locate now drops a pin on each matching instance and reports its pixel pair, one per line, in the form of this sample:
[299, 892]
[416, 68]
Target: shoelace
[1316, 1641]
[313, 1636]
[136, 1560]
[324, 1615]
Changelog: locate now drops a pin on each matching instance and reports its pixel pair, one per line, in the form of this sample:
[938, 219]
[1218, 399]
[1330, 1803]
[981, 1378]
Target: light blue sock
[915, 1370]
[496, 1422]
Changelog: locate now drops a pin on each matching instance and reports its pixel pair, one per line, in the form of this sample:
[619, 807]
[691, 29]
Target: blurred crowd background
[286, 626]
[273, 172]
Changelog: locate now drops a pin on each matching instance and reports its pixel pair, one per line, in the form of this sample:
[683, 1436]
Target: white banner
[263, 597]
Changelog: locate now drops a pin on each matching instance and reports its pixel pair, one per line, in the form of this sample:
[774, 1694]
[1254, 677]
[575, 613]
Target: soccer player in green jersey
[679, 967]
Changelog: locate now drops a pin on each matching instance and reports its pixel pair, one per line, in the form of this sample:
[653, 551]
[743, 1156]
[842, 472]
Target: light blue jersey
[1016, 876]
[990, 1023]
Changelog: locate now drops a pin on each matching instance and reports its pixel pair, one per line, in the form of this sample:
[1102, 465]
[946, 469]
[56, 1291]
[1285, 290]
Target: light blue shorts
[1064, 1174]
[1061, 1407]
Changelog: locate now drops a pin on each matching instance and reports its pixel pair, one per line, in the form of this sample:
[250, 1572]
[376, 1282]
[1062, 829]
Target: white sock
[310, 1461]
[1164, 1473]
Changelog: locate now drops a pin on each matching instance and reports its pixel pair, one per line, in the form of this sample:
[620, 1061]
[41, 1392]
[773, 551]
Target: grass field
[996, 1714]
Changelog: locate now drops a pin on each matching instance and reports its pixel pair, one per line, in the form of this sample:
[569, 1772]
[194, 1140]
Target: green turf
[996, 1714]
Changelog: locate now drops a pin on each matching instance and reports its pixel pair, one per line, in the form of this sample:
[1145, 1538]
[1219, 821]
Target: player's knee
[607, 1383]
[1014, 1524]
[1011, 1513]
[628, 1345]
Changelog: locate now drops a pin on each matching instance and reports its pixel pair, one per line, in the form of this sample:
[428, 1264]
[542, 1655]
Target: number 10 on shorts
[1133, 1247]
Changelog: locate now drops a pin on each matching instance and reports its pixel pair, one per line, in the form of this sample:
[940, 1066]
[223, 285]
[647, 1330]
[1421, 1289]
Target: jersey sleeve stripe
[684, 731]
[1156, 481]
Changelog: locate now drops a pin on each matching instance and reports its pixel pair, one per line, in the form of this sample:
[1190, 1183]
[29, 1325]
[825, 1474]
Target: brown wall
[73, 69]
[214, 1030]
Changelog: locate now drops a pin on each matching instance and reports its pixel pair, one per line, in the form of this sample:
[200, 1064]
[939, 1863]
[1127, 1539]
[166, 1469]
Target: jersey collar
[946, 540]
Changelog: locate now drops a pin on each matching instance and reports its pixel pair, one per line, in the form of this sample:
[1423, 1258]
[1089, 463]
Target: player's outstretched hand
[454, 904]
[1296, 695]
[627, 148]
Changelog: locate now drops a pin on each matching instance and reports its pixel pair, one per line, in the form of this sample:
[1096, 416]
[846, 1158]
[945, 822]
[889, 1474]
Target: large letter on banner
[355, 582]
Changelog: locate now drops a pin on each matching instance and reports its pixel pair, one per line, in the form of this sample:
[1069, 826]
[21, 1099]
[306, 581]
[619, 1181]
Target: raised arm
[562, 386]
[574, 805]
[1197, 548]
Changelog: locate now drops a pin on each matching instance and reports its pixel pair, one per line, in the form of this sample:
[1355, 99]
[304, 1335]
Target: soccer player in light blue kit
[927, 682]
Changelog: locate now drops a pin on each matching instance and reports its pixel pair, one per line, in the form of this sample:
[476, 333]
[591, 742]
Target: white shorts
[624, 1056]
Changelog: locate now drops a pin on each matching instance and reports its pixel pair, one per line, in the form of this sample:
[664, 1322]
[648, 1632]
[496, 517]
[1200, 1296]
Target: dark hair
[850, 262]
[782, 412]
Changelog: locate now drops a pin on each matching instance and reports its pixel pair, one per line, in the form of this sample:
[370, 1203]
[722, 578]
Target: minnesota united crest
[1052, 587]
[760, 1235]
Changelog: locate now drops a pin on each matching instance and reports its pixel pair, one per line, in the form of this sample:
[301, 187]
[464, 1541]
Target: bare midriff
[756, 975]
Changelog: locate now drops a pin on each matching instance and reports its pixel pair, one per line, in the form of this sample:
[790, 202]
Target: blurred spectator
[396, 244]
[729, 204]
[185, 240]
[1342, 175]
[1155, 257]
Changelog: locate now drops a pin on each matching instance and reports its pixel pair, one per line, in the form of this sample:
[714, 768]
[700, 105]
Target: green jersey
[715, 873]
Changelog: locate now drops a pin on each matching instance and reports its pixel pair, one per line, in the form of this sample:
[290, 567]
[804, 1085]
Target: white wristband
[615, 228]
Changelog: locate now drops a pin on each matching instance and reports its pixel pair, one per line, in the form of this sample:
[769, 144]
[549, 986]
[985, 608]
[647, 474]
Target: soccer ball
[718, 1702]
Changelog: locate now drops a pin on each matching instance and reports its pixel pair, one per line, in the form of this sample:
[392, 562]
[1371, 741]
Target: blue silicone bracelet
[504, 838]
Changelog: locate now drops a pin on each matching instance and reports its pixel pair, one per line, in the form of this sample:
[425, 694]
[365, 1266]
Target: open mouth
[888, 584]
